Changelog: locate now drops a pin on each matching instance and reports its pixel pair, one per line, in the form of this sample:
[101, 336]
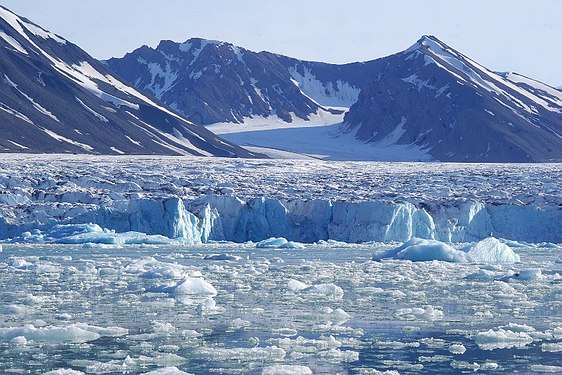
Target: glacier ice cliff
[218, 217]
[301, 201]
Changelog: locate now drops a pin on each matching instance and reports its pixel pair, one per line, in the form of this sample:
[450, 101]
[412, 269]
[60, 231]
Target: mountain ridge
[242, 83]
[439, 100]
[54, 97]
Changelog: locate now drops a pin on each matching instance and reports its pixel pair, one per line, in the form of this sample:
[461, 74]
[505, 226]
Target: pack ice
[78, 199]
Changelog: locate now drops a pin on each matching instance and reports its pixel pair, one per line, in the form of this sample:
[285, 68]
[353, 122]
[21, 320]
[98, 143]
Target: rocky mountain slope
[55, 98]
[436, 99]
[210, 81]
[429, 100]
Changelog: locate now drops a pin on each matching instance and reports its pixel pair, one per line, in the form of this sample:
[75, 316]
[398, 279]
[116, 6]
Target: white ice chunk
[74, 333]
[529, 274]
[195, 287]
[286, 370]
[223, 256]
[329, 290]
[491, 250]
[428, 313]
[296, 285]
[167, 371]
[457, 348]
[546, 369]
[501, 339]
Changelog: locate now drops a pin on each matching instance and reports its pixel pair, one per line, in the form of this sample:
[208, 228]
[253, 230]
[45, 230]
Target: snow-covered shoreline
[197, 200]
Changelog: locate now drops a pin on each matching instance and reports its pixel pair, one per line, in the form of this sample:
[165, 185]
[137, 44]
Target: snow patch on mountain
[36, 105]
[60, 138]
[470, 71]
[12, 42]
[326, 94]
[17, 23]
[101, 117]
[15, 113]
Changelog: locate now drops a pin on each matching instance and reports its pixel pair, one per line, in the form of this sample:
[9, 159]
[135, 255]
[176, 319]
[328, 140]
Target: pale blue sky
[520, 35]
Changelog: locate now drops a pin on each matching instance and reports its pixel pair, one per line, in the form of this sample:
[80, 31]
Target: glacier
[242, 200]
[230, 218]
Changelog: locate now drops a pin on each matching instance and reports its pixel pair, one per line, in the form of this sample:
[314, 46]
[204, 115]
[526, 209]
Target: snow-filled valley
[174, 265]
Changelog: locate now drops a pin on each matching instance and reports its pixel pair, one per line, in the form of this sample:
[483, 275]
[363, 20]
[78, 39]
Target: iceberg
[73, 333]
[278, 243]
[193, 286]
[489, 250]
[529, 274]
[418, 249]
[90, 233]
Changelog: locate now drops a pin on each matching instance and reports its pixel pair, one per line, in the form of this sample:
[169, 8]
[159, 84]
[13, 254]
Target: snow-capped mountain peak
[57, 98]
[469, 72]
[433, 97]
[25, 27]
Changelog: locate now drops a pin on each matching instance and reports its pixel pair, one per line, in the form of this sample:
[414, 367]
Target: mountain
[210, 81]
[437, 100]
[55, 98]
[430, 100]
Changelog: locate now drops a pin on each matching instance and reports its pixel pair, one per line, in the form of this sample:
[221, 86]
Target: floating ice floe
[90, 234]
[286, 370]
[223, 256]
[529, 274]
[73, 333]
[457, 348]
[194, 286]
[172, 370]
[553, 347]
[64, 372]
[509, 336]
[329, 290]
[547, 369]
[428, 313]
[278, 243]
[489, 250]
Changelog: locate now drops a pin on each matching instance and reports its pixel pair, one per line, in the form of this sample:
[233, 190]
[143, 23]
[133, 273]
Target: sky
[524, 36]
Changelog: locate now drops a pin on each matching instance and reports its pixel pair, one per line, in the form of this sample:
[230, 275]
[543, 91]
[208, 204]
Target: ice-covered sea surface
[166, 265]
[237, 309]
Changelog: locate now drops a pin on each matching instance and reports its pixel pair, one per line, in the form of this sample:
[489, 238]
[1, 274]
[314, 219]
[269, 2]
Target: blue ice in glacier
[278, 243]
[215, 217]
[303, 202]
[90, 233]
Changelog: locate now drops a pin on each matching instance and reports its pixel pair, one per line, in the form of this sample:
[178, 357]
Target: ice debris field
[163, 265]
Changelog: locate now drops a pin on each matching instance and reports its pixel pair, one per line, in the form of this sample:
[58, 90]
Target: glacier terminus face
[192, 201]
